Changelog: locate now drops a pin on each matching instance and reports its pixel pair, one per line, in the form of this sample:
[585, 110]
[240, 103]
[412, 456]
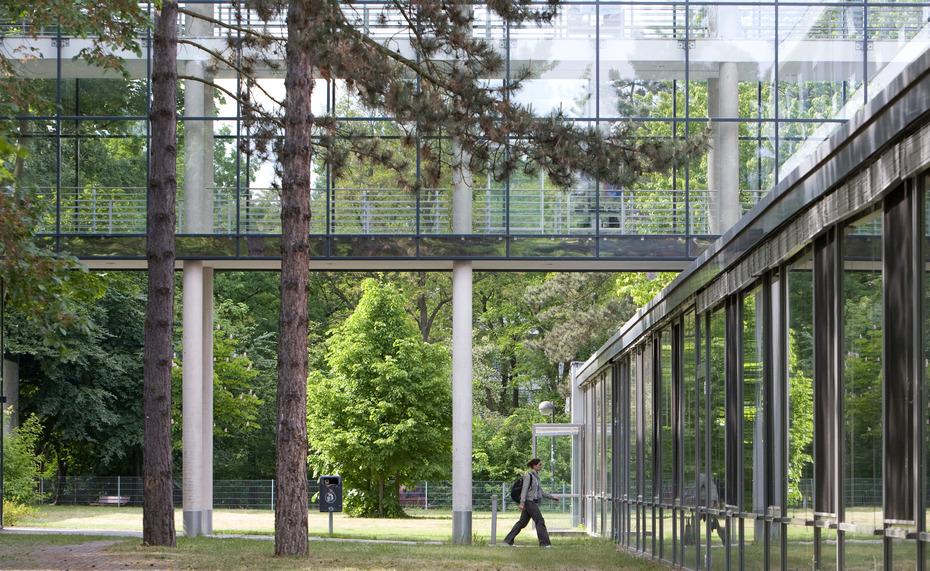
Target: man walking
[529, 505]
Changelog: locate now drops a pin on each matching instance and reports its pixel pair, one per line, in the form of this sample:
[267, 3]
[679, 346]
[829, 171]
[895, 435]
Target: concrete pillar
[723, 158]
[192, 423]
[207, 403]
[728, 141]
[462, 190]
[197, 214]
[197, 296]
[461, 402]
[713, 185]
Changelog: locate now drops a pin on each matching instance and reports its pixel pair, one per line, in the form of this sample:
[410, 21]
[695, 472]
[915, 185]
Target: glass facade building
[767, 81]
[770, 407]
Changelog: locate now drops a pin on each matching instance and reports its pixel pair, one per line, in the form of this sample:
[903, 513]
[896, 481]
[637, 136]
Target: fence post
[425, 495]
[272, 495]
[494, 519]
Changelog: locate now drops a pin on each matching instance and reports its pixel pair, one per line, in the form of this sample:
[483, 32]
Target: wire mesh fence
[261, 494]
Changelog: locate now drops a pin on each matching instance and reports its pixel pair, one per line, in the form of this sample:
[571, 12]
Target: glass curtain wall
[863, 393]
[753, 493]
[765, 82]
[800, 411]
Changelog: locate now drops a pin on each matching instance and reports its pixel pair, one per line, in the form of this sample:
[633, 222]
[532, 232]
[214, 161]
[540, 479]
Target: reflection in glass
[649, 451]
[666, 436]
[716, 528]
[862, 334]
[753, 495]
[800, 390]
[633, 452]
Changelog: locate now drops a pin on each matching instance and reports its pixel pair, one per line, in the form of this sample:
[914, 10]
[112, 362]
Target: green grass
[426, 528]
[229, 554]
[432, 525]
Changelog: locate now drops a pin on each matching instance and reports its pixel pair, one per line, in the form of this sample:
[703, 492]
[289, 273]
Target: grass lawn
[427, 528]
[432, 525]
[230, 554]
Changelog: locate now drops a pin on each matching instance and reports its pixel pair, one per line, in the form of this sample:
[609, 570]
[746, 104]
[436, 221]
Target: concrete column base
[193, 523]
[461, 528]
[206, 523]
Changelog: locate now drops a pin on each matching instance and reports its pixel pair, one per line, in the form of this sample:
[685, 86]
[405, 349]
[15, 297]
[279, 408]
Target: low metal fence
[261, 494]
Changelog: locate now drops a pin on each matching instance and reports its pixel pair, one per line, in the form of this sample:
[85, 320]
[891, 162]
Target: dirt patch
[91, 556]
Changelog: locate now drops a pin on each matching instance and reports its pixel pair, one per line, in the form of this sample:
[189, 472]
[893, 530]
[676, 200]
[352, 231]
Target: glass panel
[862, 334]
[819, 76]
[561, 57]
[896, 36]
[39, 167]
[631, 85]
[754, 444]
[633, 452]
[648, 412]
[924, 471]
[692, 442]
[713, 491]
[598, 450]
[800, 390]
[610, 430]
[667, 437]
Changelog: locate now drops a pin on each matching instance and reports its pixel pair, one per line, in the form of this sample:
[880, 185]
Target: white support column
[461, 402]
[713, 161]
[192, 398]
[723, 102]
[197, 316]
[193, 213]
[728, 150]
[207, 403]
[462, 190]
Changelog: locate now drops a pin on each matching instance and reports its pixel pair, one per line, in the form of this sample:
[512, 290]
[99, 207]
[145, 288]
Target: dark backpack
[516, 489]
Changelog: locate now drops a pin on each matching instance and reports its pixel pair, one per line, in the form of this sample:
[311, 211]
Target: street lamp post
[548, 407]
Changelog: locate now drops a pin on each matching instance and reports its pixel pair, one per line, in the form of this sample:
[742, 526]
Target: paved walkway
[90, 556]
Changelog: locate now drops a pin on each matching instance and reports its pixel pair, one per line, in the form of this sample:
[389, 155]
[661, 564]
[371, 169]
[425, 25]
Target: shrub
[22, 467]
[15, 512]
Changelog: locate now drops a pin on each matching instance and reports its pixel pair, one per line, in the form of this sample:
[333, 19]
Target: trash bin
[330, 493]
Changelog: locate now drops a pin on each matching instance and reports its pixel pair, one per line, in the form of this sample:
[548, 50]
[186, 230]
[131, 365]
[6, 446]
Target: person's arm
[546, 494]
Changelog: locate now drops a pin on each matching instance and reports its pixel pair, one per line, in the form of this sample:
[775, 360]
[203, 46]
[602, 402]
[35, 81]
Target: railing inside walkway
[116, 211]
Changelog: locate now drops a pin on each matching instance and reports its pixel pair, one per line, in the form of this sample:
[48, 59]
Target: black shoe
[510, 543]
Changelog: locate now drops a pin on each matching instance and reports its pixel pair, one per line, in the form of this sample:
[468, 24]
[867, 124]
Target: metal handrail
[108, 211]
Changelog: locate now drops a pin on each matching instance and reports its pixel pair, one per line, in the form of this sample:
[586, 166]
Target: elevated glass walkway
[768, 82]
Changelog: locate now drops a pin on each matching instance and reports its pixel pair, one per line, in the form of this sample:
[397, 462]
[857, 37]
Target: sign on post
[330, 493]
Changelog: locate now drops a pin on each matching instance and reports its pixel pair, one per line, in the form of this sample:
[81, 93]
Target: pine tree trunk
[293, 324]
[158, 502]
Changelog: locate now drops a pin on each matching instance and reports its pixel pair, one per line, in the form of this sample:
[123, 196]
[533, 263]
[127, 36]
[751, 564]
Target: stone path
[90, 556]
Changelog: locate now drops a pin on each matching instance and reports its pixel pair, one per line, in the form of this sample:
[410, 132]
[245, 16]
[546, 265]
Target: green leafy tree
[577, 313]
[235, 404]
[503, 445]
[23, 462]
[503, 323]
[382, 418]
[643, 286]
[86, 390]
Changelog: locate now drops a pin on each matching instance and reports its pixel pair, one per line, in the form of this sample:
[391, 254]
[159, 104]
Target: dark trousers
[530, 510]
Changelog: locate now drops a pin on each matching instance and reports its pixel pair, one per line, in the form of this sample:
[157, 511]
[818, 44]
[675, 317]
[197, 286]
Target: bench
[111, 501]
